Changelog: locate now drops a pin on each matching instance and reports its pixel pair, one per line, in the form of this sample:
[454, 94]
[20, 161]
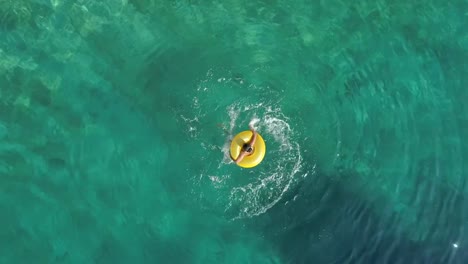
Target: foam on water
[265, 190]
[242, 193]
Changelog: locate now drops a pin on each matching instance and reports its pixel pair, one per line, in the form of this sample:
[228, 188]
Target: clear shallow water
[115, 117]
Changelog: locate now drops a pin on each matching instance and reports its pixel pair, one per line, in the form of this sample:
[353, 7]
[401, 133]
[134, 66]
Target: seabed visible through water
[116, 116]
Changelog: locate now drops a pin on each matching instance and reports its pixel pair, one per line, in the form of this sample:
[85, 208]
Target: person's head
[247, 148]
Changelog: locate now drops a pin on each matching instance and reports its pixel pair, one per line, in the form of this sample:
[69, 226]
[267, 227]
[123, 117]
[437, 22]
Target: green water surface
[116, 117]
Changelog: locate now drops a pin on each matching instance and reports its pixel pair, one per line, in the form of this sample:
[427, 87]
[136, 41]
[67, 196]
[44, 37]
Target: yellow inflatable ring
[253, 159]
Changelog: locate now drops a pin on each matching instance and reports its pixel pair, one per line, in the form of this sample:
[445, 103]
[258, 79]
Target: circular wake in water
[241, 193]
[275, 176]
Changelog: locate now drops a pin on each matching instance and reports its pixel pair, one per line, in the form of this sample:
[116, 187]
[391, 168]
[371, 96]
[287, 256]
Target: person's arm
[240, 157]
[253, 138]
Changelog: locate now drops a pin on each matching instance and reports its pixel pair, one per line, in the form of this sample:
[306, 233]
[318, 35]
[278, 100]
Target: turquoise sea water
[116, 115]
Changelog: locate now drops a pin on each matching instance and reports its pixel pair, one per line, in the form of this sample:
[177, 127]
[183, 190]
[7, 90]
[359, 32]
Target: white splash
[266, 185]
[272, 183]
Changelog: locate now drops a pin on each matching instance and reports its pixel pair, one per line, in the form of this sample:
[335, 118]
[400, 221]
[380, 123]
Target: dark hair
[247, 148]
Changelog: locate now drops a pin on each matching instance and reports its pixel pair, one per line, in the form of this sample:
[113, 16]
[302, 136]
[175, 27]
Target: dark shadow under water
[327, 221]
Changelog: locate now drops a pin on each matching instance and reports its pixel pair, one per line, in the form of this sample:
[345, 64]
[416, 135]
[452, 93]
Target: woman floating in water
[248, 147]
